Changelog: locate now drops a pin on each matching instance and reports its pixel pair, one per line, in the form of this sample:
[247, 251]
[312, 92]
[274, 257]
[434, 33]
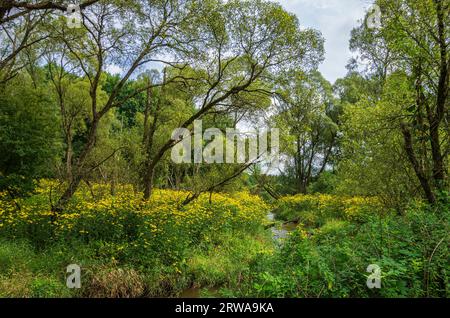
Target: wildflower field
[316, 209]
[126, 217]
[222, 242]
[157, 237]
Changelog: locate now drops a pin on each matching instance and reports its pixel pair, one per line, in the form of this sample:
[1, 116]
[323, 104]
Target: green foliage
[325, 183]
[307, 117]
[29, 142]
[373, 161]
[331, 261]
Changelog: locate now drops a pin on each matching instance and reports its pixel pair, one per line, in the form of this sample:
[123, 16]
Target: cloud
[335, 19]
[114, 69]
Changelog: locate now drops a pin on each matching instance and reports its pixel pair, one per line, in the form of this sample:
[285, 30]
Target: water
[192, 292]
[281, 231]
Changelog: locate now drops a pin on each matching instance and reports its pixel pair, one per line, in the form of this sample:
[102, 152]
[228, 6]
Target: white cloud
[335, 19]
[114, 69]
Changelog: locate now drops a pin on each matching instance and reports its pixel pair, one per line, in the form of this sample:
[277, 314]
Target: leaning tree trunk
[423, 179]
[78, 172]
[65, 198]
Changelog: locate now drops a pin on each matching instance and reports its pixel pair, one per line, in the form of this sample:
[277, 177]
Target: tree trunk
[113, 185]
[424, 182]
[441, 100]
[69, 155]
[65, 198]
[77, 173]
[438, 164]
[149, 181]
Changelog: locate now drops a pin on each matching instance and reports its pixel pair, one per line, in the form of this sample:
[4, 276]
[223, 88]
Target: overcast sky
[335, 19]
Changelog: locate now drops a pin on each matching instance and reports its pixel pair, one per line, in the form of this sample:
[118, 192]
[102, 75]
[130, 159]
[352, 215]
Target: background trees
[29, 143]
[413, 41]
[308, 116]
[382, 130]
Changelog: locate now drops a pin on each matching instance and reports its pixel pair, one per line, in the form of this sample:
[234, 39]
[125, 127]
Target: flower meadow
[125, 217]
[316, 209]
[220, 243]
[158, 236]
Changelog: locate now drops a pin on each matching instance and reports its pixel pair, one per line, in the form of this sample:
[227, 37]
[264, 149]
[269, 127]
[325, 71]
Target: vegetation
[327, 255]
[87, 122]
[152, 248]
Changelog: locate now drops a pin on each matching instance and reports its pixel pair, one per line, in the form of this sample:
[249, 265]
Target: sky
[335, 19]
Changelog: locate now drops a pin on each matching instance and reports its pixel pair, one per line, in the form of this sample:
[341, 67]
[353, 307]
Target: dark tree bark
[149, 181]
[441, 99]
[149, 135]
[424, 181]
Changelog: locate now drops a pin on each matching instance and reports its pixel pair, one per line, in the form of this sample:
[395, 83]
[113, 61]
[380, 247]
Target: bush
[326, 183]
[331, 261]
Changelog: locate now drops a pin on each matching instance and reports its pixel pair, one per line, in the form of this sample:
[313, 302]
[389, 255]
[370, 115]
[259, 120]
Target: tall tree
[307, 117]
[239, 44]
[29, 143]
[145, 30]
[415, 32]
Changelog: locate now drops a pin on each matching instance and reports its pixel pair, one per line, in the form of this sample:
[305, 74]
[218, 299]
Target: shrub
[331, 261]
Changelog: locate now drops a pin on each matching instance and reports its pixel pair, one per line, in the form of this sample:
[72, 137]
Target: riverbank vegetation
[160, 248]
[87, 116]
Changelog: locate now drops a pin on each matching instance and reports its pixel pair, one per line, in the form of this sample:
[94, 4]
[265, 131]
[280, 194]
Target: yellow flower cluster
[329, 206]
[95, 214]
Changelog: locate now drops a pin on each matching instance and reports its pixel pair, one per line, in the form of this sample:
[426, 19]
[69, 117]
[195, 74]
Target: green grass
[27, 272]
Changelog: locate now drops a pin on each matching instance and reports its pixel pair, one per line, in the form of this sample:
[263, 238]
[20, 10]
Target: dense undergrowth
[337, 238]
[130, 248]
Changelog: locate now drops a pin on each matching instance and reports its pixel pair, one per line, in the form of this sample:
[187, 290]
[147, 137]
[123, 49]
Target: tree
[23, 28]
[416, 34]
[306, 111]
[145, 30]
[372, 160]
[241, 43]
[29, 144]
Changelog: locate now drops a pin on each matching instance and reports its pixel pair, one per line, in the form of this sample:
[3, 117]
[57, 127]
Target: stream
[280, 231]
